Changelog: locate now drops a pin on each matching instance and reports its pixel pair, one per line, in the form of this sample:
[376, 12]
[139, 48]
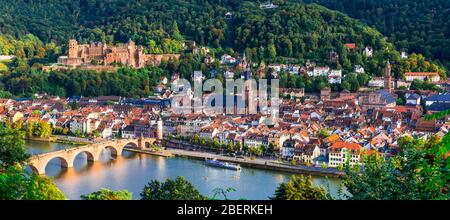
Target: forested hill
[292, 31]
[421, 26]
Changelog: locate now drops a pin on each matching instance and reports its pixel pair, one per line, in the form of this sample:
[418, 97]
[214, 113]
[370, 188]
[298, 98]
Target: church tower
[388, 77]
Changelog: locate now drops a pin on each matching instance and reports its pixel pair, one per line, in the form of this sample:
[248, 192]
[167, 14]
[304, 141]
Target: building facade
[432, 76]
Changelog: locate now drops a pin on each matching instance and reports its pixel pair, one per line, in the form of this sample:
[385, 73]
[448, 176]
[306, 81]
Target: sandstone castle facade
[128, 54]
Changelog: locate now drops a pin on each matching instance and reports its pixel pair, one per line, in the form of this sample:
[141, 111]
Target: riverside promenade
[258, 163]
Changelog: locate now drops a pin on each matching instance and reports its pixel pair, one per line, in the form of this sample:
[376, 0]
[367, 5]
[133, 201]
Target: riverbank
[258, 163]
[154, 153]
[49, 139]
[56, 139]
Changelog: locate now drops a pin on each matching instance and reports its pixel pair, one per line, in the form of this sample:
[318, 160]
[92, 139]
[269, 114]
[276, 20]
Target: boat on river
[221, 164]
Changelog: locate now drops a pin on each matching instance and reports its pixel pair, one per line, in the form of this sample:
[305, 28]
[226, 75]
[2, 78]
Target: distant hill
[420, 26]
[292, 32]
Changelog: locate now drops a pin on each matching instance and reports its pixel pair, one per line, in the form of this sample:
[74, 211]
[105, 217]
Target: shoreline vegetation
[55, 140]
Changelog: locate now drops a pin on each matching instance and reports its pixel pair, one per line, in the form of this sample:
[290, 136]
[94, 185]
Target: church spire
[388, 77]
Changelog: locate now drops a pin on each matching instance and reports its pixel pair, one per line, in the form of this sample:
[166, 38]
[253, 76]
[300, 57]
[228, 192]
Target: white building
[128, 132]
[268, 6]
[319, 71]
[376, 82]
[359, 69]
[106, 132]
[191, 127]
[368, 51]
[208, 132]
[308, 154]
[255, 140]
[77, 125]
[338, 154]
[227, 59]
[432, 76]
[288, 150]
[413, 99]
[276, 68]
[404, 55]
[335, 77]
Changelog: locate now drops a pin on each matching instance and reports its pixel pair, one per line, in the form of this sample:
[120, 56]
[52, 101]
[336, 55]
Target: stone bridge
[67, 156]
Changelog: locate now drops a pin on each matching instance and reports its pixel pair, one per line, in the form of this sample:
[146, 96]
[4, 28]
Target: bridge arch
[132, 144]
[114, 150]
[90, 156]
[34, 169]
[65, 163]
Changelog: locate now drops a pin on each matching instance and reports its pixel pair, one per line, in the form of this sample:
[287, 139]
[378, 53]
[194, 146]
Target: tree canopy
[178, 189]
[417, 173]
[300, 188]
[107, 194]
[12, 147]
[420, 26]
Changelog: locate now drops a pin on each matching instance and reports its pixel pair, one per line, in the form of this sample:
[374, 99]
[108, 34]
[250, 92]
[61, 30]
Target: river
[132, 171]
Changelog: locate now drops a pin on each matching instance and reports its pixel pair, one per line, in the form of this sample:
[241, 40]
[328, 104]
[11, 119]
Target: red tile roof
[351, 46]
[341, 144]
[421, 74]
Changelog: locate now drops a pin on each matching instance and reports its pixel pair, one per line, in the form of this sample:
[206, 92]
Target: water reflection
[39, 147]
[132, 171]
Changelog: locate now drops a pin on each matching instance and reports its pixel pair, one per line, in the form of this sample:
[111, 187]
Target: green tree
[176, 32]
[412, 175]
[18, 185]
[43, 129]
[107, 194]
[74, 105]
[271, 52]
[363, 79]
[178, 189]
[222, 192]
[324, 133]
[96, 133]
[300, 188]
[230, 147]
[12, 147]
[271, 148]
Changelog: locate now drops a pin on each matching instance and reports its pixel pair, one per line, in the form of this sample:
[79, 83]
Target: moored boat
[221, 164]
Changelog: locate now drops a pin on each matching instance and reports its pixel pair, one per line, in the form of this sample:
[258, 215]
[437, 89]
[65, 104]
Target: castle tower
[132, 53]
[73, 49]
[388, 77]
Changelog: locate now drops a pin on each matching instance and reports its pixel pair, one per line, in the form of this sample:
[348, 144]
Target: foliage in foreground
[178, 189]
[300, 188]
[107, 194]
[12, 147]
[15, 184]
[415, 174]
